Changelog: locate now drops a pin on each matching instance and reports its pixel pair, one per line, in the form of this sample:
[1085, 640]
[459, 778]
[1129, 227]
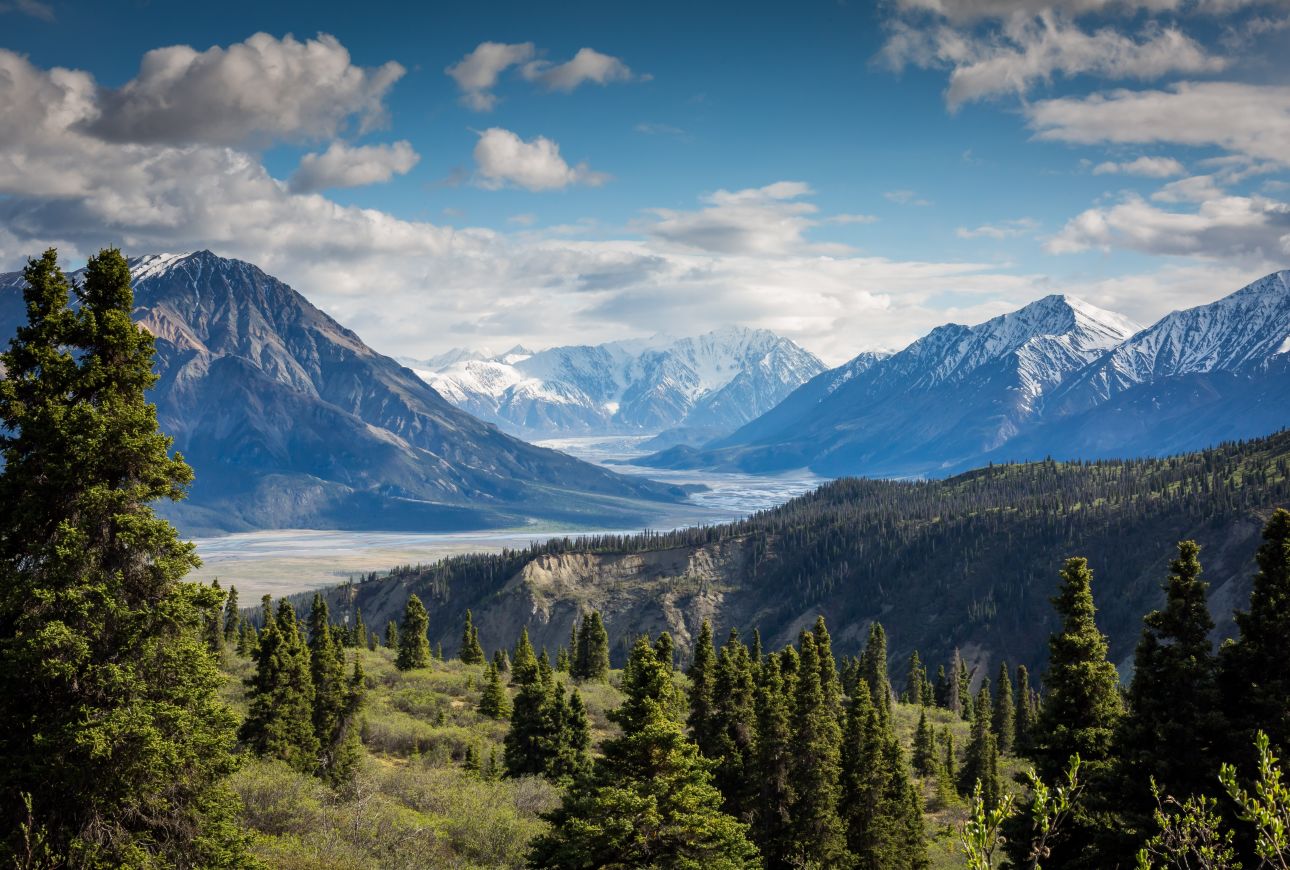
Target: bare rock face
[290, 420]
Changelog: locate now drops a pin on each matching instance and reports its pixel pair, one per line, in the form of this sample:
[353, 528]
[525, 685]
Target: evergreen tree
[243, 647]
[956, 692]
[494, 702]
[915, 681]
[591, 659]
[337, 700]
[874, 662]
[830, 684]
[951, 763]
[1024, 725]
[391, 635]
[360, 629]
[981, 760]
[650, 801]
[734, 734]
[964, 684]
[666, 649]
[1174, 710]
[232, 619]
[111, 720]
[924, 756]
[772, 815]
[816, 833]
[214, 629]
[943, 690]
[414, 646]
[702, 674]
[562, 661]
[1005, 712]
[502, 662]
[524, 657]
[1256, 679]
[472, 653]
[279, 722]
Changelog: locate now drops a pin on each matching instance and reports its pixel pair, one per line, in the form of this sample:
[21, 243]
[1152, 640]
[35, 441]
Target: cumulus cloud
[1028, 49]
[852, 219]
[762, 220]
[588, 65]
[1003, 230]
[1151, 167]
[343, 165]
[504, 158]
[1249, 120]
[264, 88]
[477, 73]
[1246, 228]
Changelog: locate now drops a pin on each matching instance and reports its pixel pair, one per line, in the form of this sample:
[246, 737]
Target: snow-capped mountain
[290, 420]
[711, 383]
[958, 391]
[1058, 378]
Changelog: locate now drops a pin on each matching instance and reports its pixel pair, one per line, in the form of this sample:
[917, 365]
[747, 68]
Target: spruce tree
[816, 832]
[650, 801]
[734, 732]
[1024, 724]
[830, 684]
[874, 662]
[391, 635]
[279, 722]
[414, 646]
[702, 673]
[1256, 679]
[360, 629]
[924, 755]
[1005, 712]
[493, 701]
[337, 700]
[915, 680]
[214, 629]
[472, 653]
[591, 661]
[956, 691]
[524, 658]
[964, 683]
[981, 759]
[772, 815]
[666, 649]
[111, 720]
[942, 691]
[232, 619]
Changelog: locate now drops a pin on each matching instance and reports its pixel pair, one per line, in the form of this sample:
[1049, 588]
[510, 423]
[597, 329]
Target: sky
[847, 174]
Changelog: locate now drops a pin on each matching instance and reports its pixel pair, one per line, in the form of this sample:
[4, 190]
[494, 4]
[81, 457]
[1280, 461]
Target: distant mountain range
[691, 388]
[1059, 377]
[290, 420]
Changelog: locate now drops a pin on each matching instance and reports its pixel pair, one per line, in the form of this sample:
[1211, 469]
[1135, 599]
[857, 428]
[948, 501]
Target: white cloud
[1030, 49]
[503, 158]
[32, 8]
[588, 65]
[1249, 120]
[905, 197]
[477, 73]
[1242, 228]
[264, 88]
[761, 220]
[1151, 167]
[342, 165]
[1003, 230]
[1196, 188]
[852, 219]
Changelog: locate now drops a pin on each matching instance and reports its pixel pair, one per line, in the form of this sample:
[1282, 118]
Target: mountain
[966, 562]
[954, 394]
[709, 384]
[290, 420]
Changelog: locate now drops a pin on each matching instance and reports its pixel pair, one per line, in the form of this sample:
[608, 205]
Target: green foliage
[772, 813]
[873, 664]
[702, 673]
[816, 832]
[733, 729]
[1051, 809]
[979, 775]
[414, 646]
[524, 658]
[1266, 807]
[650, 801]
[279, 723]
[591, 654]
[472, 653]
[494, 702]
[1027, 711]
[1005, 729]
[232, 619]
[391, 635]
[1188, 834]
[114, 745]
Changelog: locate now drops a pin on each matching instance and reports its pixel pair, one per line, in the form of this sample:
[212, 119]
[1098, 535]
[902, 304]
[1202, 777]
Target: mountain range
[692, 389]
[1059, 377]
[290, 420]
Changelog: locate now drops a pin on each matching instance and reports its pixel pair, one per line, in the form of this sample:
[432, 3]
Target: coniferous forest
[151, 722]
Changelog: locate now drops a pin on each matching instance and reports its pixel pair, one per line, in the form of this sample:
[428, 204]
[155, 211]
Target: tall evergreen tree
[591, 660]
[232, 618]
[830, 684]
[414, 646]
[650, 801]
[943, 690]
[214, 629]
[1005, 712]
[915, 680]
[472, 653]
[734, 724]
[924, 755]
[1256, 678]
[981, 760]
[524, 657]
[874, 663]
[279, 722]
[1024, 724]
[817, 836]
[702, 673]
[391, 635]
[964, 684]
[772, 816]
[111, 720]
[337, 699]
[956, 692]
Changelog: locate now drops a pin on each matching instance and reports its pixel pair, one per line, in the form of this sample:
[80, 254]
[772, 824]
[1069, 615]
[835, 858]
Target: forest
[147, 723]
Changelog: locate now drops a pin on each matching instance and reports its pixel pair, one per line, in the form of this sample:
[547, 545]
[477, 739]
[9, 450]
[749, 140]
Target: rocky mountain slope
[290, 420]
[969, 561]
[710, 384]
[949, 397]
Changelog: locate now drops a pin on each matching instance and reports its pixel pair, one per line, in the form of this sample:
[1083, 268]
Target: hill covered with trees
[968, 562]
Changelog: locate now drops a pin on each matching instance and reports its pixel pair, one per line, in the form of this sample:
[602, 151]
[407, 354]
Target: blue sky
[848, 174]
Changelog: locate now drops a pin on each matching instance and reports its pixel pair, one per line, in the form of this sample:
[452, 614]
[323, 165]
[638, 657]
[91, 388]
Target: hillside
[290, 421]
[968, 562]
